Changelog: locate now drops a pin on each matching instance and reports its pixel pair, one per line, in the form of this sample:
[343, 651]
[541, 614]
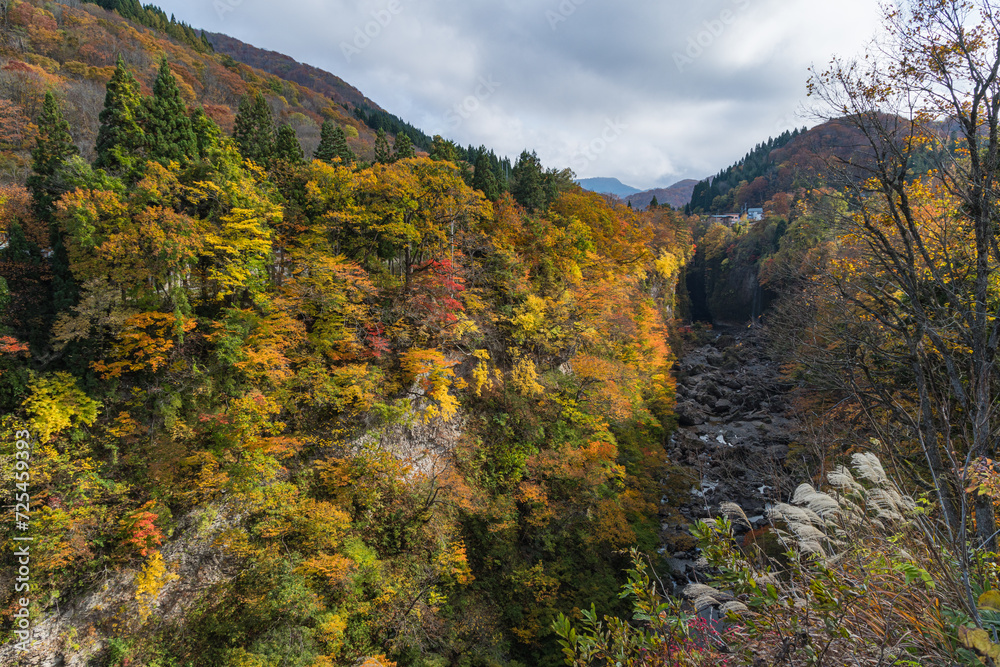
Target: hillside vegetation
[282, 385]
[294, 411]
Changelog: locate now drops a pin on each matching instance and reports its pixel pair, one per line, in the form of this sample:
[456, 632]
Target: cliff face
[77, 630]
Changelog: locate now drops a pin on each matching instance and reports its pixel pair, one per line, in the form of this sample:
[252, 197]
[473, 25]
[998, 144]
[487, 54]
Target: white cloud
[567, 67]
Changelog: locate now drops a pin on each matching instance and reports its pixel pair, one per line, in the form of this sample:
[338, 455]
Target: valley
[735, 426]
[286, 381]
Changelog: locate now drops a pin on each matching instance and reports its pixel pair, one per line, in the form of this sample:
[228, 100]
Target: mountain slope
[778, 167]
[677, 195]
[320, 81]
[307, 412]
[289, 69]
[72, 49]
[607, 186]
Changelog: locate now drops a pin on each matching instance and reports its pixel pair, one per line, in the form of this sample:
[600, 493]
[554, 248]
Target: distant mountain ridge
[607, 186]
[677, 195]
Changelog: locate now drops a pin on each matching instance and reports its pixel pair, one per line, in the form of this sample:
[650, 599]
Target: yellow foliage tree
[56, 403]
[150, 582]
[434, 375]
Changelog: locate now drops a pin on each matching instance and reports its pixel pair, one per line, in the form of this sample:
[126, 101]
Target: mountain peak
[677, 195]
[607, 186]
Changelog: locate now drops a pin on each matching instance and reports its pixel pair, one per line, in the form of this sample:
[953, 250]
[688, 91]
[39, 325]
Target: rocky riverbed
[733, 442]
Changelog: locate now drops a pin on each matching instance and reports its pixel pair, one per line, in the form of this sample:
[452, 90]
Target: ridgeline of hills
[320, 81]
[288, 68]
[607, 186]
[770, 174]
[677, 195]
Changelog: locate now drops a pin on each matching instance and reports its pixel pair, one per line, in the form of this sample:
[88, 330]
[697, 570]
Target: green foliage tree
[527, 181]
[402, 147]
[484, 180]
[327, 149]
[287, 148]
[169, 131]
[444, 149]
[120, 138]
[52, 146]
[254, 129]
[382, 153]
[207, 133]
[344, 151]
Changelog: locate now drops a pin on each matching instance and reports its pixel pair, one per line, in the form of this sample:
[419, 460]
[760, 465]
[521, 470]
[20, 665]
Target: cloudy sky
[648, 91]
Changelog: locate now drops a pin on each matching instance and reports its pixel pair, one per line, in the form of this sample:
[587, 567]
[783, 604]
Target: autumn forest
[286, 382]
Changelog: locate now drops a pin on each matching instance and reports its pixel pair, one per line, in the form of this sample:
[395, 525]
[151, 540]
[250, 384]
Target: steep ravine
[733, 441]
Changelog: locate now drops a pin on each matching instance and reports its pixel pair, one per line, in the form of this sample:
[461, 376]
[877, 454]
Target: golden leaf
[990, 600]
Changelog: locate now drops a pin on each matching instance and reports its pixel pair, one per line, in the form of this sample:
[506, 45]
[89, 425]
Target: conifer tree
[382, 154]
[444, 149]
[342, 150]
[288, 148]
[527, 181]
[52, 146]
[654, 203]
[402, 148]
[501, 170]
[120, 139]
[327, 149]
[206, 132]
[484, 180]
[254, 129]
[169, 133]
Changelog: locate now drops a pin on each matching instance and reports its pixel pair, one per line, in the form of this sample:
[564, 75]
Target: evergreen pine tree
[501, 171]
[527, 181]
[120, 138]
[52, 146]
[169, 132]
[254, 129]
[327, 149]
[443, 149]
[484, 180]
[342, 150]
[65, 291]
[654, 203]
[287, 147]
[382, 154]
[206, 132]
[402, 148]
